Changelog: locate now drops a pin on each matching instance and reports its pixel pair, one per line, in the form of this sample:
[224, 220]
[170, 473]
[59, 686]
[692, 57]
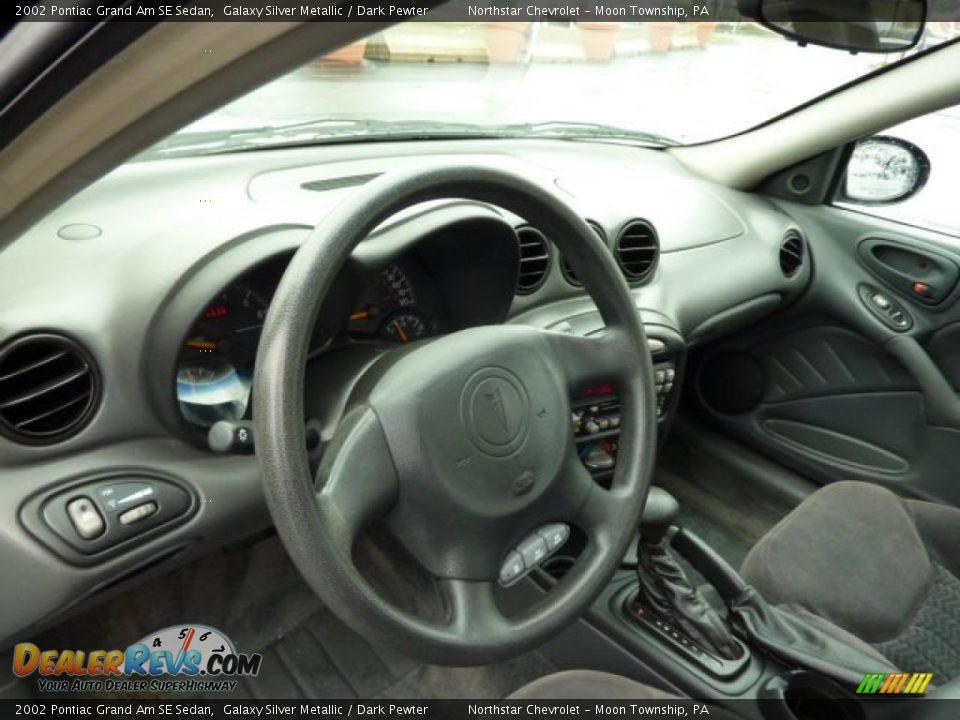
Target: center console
[596, 419]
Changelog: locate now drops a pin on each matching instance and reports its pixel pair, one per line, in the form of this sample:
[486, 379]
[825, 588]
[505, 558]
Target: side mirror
[884, 170]
[873, 26]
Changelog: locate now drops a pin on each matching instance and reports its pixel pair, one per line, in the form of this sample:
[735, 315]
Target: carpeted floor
[254, 595]
[730, 512]
[322, 658]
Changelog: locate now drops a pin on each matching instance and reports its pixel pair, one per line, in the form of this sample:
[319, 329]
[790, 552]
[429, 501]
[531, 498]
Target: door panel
[837, 390]
[944, 348]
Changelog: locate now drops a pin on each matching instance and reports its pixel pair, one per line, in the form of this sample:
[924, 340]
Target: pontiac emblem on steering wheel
[496, 399]
[495, 411]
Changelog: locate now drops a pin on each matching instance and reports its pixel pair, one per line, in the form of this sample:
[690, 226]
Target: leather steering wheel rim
[436, 466]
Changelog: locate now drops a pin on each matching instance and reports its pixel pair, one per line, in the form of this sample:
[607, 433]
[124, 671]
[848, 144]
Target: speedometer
[215, 371]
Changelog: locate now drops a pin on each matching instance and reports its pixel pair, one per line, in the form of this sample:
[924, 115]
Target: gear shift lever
[664, 587]
[658, 516]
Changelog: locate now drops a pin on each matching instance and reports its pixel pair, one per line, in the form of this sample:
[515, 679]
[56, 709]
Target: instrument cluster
[214, 376]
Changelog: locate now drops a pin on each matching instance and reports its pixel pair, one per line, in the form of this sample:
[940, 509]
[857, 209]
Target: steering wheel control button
[531, 553]
[495, 411]
[512, 569]
[86, 519]
[554, 535]
[533, 550]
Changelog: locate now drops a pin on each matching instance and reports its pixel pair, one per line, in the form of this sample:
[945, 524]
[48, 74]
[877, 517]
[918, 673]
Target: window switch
[880, 300]
[86, 519]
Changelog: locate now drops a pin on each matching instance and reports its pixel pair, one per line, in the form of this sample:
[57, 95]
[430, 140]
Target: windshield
[655, 83]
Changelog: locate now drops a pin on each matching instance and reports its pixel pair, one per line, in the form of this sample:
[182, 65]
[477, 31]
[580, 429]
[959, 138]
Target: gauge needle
[202, 344]
[361, 315]
[400, 331]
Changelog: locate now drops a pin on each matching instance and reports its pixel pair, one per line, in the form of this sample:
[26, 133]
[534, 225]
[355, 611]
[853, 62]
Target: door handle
[924, 276]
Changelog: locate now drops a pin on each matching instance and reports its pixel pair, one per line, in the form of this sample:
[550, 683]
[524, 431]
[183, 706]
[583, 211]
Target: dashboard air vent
[568, 274]
[637, 250]
[791, 253]
[339, 183]
[49, 388]
[534, 260]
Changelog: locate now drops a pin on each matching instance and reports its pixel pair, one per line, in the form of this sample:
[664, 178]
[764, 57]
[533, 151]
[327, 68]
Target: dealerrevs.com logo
[182, 658]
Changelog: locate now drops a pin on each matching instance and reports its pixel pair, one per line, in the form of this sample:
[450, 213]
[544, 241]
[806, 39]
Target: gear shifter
[665, 589]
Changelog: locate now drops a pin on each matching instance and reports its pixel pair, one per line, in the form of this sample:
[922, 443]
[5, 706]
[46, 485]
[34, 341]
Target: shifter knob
[658, 515]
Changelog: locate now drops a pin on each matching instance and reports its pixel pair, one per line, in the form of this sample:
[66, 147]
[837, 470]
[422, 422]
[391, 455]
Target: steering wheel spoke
[357, 480]
[474, 614]
[572, 487]
[580, 500]
[585, 359]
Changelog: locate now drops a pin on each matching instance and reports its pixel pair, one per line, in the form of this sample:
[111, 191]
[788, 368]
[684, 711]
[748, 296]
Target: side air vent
[568, 274]
[791, 253]
[637, 250]
[534, 260]
[49, 389]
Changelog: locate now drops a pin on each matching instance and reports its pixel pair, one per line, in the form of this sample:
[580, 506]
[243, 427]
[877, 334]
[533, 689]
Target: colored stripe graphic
[871, 683]
[894, 683]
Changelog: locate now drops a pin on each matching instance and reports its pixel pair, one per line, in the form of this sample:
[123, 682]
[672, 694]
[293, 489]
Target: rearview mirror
[872, 26]
[884, 170]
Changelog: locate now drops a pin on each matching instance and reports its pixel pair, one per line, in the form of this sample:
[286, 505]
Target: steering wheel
[463, 446]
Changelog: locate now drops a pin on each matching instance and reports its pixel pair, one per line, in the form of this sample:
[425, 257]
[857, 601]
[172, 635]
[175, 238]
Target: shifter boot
[667, 592]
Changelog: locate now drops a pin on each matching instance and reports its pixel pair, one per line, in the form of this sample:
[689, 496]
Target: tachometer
[393, 293]
[405, 327]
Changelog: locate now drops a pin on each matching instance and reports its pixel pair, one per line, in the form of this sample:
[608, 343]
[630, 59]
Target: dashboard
[180, 261]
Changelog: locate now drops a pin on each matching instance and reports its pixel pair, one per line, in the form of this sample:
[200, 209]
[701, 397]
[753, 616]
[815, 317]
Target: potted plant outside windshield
[351, 54]
[599, 39]
[661, 36]
[705, 32]
[505, 41]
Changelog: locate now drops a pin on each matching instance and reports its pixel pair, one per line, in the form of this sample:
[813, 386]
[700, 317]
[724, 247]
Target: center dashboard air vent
[534, 259]
[637, 250]
[791, 253]
[49, 389]
[568, 274]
